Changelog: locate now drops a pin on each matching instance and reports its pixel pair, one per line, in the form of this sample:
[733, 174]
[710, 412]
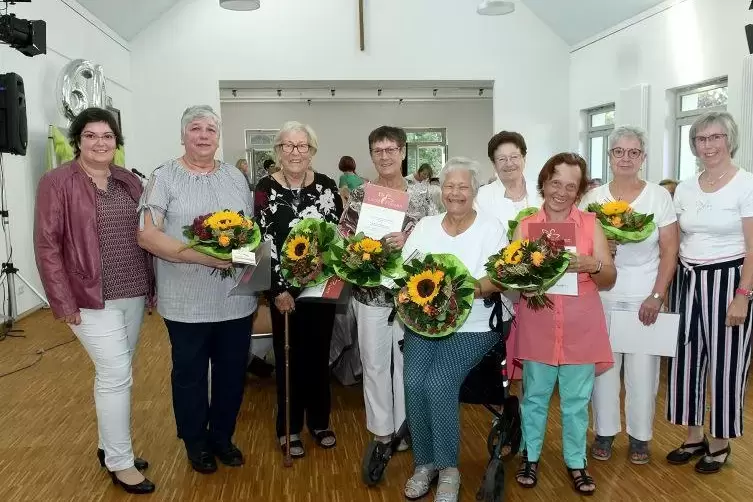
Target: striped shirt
[189, 292]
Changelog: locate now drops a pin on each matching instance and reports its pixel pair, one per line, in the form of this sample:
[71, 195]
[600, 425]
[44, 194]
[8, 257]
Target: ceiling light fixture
[495, 7]
[240, 4]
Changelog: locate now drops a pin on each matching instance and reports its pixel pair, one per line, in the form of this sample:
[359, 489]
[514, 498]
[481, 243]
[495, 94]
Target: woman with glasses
[378, 336]
[509, 193]
[566, 344]
[97, 277]
[712, 293]
[644, 271]
[283, 199]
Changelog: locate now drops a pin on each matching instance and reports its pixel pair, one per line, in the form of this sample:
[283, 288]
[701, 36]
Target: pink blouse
[574, 330]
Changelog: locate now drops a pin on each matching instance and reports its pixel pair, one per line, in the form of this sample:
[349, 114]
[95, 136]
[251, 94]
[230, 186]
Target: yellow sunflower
[223, 220]
[424, 287]
[615, 207]
[298, 247]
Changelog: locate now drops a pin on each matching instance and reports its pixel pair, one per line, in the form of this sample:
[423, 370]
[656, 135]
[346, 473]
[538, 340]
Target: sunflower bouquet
[513, 224]
[306, 256]
[364, 261]
[531, 266]
[218, 234]
[621, 223]
[435, 296]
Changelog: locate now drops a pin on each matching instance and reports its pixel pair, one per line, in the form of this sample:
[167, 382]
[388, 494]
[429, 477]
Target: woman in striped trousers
[712, 293]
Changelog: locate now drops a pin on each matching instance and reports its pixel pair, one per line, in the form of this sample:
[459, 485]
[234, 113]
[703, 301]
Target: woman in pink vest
[565, 344]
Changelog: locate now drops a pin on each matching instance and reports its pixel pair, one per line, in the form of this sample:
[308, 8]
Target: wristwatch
[745, 292]
[656, 296]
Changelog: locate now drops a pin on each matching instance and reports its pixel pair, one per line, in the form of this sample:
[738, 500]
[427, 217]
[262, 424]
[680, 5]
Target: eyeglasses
[632, 153]
[289, 147]
[376, 152]
[91, 137]
[512, 159]
[712, 138]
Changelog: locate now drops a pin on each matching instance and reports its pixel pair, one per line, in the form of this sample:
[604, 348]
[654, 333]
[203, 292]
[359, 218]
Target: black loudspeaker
[749, 36]
[13, 131]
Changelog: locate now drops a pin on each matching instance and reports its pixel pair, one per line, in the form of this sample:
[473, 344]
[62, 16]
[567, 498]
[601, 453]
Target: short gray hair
[725, 120]
[628, 131]
[461, 164]
[199, 112]
[294, 126]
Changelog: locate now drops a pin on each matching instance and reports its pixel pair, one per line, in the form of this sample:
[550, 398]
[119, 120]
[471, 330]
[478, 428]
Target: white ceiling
[576, 20]
[573, 20]
[128, 17]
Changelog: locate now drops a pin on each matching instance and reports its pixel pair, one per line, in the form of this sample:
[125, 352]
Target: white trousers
[641, 375]
[110, 336]
[382, 361]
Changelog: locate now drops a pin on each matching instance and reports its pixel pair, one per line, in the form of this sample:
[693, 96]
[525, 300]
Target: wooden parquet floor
[48, 441]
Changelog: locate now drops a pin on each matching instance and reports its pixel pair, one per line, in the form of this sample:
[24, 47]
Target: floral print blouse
[420, 204]
[278, 209]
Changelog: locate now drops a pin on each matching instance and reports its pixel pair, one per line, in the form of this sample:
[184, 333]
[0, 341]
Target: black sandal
[712, 466]
[295, 443]
[582, 479]
[320, 436]
[527, 470]
[687, 452]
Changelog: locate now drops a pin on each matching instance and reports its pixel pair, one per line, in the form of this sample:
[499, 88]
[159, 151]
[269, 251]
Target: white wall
[343, 128]
[180, 59]
[690, 42]
[71, 34]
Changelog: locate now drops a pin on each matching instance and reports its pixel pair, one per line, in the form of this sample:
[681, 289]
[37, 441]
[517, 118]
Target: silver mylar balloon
[81, 85]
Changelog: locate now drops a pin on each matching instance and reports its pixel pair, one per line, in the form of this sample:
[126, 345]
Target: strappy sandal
[321, 437]
[601, 449]
[448, 488]
[528, 470]
[687, 452]
[418, 485]
[296, 447]
[582, 479]
[707, 464]
[638, 453]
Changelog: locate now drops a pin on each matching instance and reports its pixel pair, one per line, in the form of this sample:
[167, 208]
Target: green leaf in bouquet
[513, 224]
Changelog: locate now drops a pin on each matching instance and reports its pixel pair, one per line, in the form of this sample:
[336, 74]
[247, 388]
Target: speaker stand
[10, 272]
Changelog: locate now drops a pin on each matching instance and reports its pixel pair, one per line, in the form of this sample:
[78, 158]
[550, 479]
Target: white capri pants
[641, 385]
[110, 336]
[382, 361]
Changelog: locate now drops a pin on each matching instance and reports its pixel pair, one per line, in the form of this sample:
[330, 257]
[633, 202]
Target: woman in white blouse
[435, 369]
[712, 293]
[644, 271]
[506, 196]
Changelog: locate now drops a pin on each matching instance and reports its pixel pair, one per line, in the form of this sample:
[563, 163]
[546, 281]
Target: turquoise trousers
[576, 382]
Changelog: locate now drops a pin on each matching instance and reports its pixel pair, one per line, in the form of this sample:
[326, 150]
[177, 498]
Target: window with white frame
[600, 124]
[426, 146]
[690, 103]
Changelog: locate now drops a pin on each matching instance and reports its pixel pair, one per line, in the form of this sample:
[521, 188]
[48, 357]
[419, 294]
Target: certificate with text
[382, 212]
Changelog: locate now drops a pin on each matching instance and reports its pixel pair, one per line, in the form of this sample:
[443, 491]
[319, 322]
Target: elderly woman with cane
[301, 332]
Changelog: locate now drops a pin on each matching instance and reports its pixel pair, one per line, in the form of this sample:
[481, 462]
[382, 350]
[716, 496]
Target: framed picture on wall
[116, 113]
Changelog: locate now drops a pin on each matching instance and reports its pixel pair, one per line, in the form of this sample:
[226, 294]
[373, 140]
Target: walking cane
[288, 460]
